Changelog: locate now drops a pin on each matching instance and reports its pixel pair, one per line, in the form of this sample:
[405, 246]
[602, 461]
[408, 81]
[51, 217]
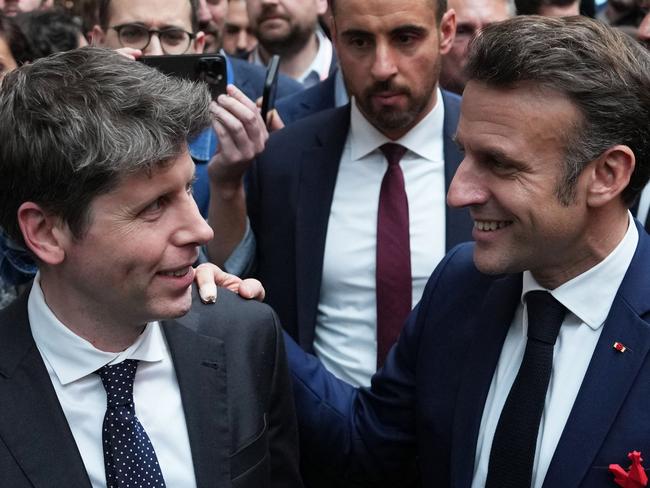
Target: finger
[252, 289]
[248, 134]
[206, 276]
[130, 53]
[274, 121]
[239, 95]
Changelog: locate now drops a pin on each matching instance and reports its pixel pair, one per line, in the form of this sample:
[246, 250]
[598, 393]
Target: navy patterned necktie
[129, 457]
[515, 439]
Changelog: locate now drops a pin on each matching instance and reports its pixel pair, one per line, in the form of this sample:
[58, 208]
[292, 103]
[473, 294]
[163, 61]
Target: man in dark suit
[526, 362]
[311, 178]
[110, 373]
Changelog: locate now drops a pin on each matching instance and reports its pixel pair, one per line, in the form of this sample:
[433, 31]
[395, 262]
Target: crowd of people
[446, 215]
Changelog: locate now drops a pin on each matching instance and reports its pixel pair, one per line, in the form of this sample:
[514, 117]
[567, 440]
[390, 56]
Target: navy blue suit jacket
[307, 102]
[249, 78]
[427, 402]
[289, 194]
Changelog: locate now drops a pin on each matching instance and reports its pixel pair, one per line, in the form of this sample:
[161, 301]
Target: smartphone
[209, 68]
[270, 86]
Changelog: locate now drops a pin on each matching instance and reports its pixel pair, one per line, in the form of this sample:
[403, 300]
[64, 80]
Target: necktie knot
[393, 152]
[118, 382]
[545, 316]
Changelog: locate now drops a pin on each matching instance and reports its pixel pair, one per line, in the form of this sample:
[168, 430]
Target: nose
[384, 66]
[468, 187]
[194, 230]
[203, 13]
[154, 48]
[242, 39]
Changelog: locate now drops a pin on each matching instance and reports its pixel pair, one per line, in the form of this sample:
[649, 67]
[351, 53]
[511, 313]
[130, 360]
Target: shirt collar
[590, 295]
[365, 138]
[321, 63]
[72, 357]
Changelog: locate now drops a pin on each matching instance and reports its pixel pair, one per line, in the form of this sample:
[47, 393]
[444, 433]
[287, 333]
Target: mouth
[177, 272]
[491, 225]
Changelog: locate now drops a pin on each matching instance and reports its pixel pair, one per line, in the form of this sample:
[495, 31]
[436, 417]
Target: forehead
[522, 121]
[383, 15]
[153, 13]
[485, 11]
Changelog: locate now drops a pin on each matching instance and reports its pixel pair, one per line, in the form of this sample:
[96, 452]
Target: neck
[105, 329]
[293, 63]
[598, 242]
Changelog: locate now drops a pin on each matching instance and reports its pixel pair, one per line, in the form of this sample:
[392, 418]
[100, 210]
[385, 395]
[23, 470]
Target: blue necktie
[129, 457]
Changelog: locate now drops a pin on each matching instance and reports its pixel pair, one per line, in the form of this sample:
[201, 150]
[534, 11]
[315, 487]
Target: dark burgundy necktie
[393, 253]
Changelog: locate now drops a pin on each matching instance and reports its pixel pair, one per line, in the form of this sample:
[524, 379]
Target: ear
[609, 175]
[97, 36]
[43, 233]
[447, 29]
[199, 42]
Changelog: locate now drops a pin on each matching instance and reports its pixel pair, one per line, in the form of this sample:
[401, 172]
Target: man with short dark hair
[314, 195]
[238, 37]
[290, 29]
[111, 373]
[471, 17]
[526, 362]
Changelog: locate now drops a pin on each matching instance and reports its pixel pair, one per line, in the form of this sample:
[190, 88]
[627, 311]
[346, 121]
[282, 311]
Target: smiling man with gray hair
[109, 371]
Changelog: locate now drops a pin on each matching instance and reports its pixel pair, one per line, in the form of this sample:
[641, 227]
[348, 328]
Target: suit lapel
[318, 170]
[200, 366]
[492, 323]
[32, 424]
[457, 220]
[609, 377]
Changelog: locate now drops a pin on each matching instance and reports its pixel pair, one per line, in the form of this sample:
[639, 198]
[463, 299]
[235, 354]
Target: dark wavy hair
[603, 72]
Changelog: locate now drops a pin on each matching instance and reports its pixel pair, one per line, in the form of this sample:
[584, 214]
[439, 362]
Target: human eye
[132, 33]
[173, 36]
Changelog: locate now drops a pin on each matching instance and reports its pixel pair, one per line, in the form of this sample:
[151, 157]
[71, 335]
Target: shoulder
[456, 276]
[250, 78]
[306, 102]
[335, 121]
[232, 318]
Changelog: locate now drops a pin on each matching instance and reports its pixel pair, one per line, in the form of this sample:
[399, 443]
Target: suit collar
[610, 375]
[200, 365]
[316, 188]
[493, 320]
[32, 425]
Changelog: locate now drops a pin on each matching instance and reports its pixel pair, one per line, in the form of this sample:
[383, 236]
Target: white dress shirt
[588, 298]
[345, 337]
[71, 362]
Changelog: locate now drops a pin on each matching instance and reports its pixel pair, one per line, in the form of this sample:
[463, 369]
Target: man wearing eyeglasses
[156, 27]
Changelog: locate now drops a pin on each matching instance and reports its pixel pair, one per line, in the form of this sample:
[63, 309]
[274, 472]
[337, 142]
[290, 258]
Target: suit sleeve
[368, 435]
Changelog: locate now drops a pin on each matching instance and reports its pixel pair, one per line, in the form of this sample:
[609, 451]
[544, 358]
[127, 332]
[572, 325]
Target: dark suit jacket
[289, 194]
[231, 368]
[428, 400]
[307, 102]
[249, 78]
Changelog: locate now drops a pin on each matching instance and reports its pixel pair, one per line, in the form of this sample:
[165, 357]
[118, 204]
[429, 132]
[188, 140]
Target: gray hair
[74, 124]
[605, 73]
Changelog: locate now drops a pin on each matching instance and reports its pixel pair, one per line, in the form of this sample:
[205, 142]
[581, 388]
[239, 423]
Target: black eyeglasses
[172, 39]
